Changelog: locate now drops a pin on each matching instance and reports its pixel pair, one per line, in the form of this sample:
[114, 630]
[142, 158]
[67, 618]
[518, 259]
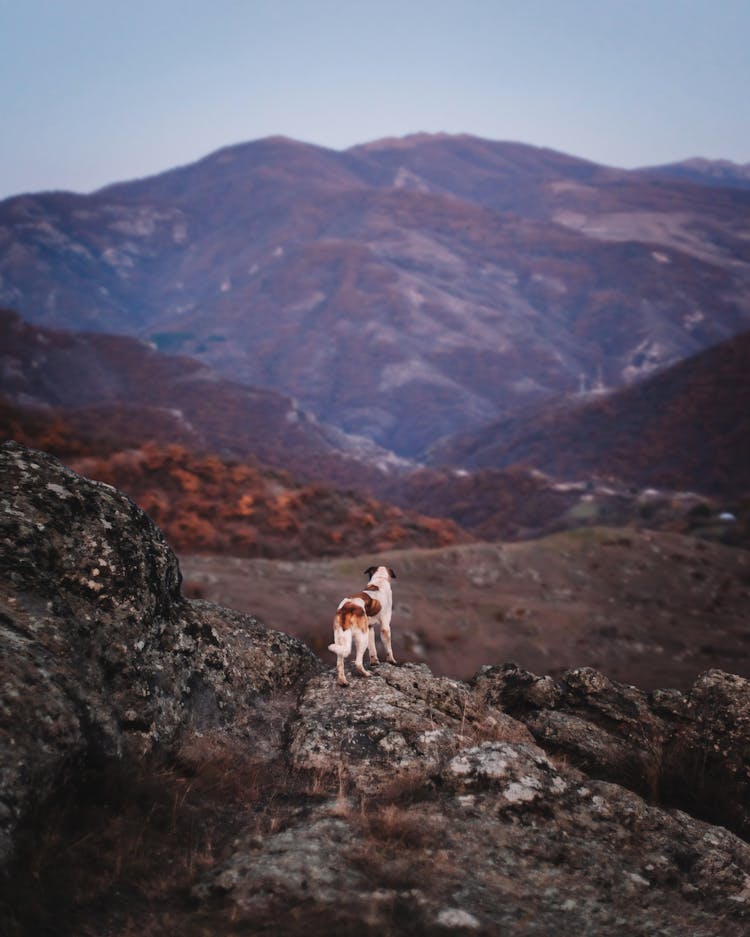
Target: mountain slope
[209, 505]
[685, 427]
[403, 289]
[106, 405]
[119, 391]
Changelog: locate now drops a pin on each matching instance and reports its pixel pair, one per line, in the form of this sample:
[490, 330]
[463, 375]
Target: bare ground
[650, 608]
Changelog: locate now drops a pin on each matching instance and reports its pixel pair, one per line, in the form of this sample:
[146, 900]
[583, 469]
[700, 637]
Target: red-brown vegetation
[207, 505]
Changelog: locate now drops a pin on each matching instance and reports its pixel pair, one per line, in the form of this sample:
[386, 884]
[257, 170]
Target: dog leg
[360, 639]
[371, 649]
[341, 647]
[385, 637]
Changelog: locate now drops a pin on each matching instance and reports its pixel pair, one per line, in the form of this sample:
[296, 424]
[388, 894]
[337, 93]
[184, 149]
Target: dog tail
[343, 642]
[348, 616]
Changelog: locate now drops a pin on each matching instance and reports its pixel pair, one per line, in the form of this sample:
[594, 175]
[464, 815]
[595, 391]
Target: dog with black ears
[355, 619]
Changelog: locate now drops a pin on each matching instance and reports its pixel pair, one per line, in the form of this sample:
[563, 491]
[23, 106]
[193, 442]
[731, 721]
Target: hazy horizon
[95, 93]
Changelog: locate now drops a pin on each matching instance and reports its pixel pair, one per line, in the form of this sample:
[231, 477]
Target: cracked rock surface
[174, 767]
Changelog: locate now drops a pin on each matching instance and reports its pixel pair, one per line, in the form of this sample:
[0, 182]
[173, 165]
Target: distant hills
[223, 467]
[687, 427]
[716, 172]
[220, 467]
[404, 290]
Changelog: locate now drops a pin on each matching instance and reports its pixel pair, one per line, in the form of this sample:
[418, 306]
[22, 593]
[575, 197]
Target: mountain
[402, 290]
[686, 427]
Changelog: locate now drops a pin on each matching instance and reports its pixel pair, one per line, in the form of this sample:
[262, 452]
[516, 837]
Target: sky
[97, 91]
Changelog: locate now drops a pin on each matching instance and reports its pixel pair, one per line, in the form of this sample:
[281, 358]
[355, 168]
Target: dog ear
[370, 570]
[391, 573]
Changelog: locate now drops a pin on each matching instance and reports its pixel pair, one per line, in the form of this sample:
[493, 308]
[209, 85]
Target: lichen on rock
[102, 656]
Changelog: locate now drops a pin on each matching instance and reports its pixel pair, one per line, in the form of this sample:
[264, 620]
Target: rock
[203, 775]
[689, 750]
[102, 657]
[521, 773]
[496, 837]
[401, 723]
[706, 765]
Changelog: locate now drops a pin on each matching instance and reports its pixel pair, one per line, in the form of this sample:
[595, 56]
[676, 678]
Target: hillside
[686, 427]
[118, 392]
[402, 290]
[208, 505]
[140, 419]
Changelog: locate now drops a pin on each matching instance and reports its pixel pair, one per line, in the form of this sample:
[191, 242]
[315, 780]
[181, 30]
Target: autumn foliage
[208, 505]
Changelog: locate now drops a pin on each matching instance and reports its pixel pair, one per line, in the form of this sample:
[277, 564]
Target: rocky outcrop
[438, 813]
[260, 797]
[102, 657]
[688, 749]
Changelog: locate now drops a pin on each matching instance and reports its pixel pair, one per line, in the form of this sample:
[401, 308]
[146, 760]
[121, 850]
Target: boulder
[102, 657]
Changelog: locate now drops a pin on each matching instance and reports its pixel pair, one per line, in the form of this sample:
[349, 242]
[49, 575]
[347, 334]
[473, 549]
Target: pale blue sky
[93, 91]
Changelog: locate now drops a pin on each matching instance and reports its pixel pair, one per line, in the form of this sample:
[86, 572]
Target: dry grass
[400, 847]
[221, 771]
[402, 827]
[121, 855]
[130, 842]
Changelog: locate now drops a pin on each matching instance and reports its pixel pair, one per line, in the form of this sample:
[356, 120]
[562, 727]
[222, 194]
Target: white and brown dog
[356, 618]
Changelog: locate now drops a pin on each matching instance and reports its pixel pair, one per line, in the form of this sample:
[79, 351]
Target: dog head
[383, 570]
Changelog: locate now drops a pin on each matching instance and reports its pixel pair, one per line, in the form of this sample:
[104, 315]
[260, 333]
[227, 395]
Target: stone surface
[102, 657]
[416, 721]
[687, 749]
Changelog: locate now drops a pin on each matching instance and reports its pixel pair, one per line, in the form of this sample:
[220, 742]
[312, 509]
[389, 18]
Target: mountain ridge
[702, 171]
[403, 292]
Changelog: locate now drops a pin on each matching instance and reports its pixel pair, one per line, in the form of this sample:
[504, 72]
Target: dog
[356, 617]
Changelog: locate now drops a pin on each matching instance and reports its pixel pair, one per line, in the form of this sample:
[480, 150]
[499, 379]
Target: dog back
[351, 614]
[373, 606]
